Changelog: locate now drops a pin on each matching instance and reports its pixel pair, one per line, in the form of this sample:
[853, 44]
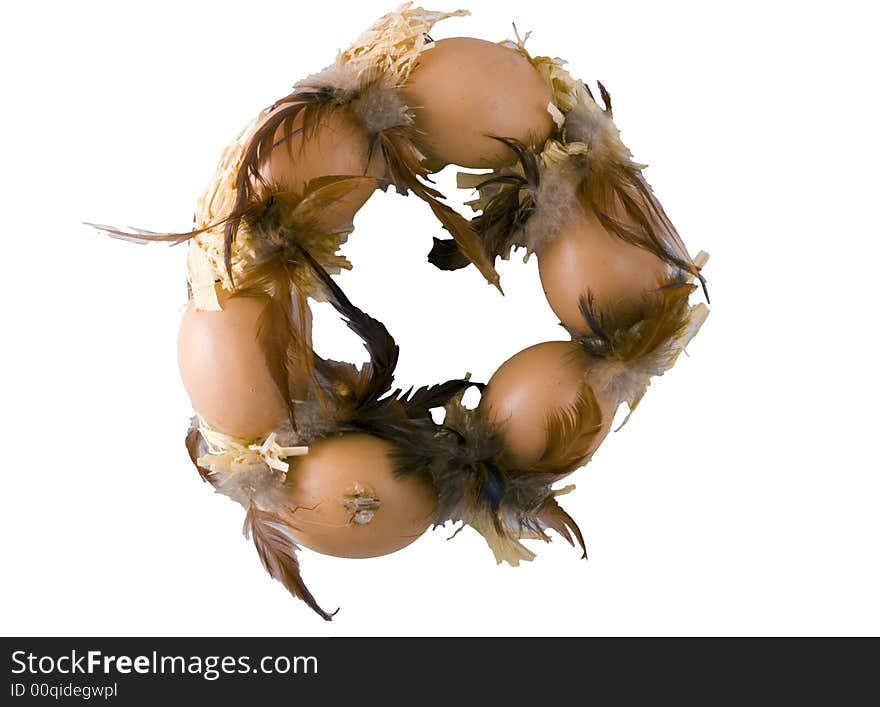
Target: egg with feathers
[584, 260]
[225, 369]
[336, 146]
[346, 499]
[540, 383]
[463, 91]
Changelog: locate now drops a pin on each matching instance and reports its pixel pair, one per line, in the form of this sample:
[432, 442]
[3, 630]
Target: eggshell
[464, 89]
[585, 257]
[337, 147]
[224, 369]
[529, 388]
[331, 475]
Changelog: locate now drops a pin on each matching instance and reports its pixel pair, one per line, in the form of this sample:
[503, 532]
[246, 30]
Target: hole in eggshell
[361, 504]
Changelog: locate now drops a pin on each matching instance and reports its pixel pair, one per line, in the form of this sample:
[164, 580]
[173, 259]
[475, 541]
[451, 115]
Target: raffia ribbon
[226, 452]
[393, 43]
[201, 280]
[556, 114]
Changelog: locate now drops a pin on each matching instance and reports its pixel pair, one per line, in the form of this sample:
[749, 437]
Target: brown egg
[349, 503]
[464, 89]
[224, 369]
[584, 256]
[529, 388]
[337, 147]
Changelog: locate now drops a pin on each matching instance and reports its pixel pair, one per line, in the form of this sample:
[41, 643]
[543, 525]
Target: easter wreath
[325, 454]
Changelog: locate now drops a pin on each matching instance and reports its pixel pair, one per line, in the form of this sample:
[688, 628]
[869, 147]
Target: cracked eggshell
[343, 475]
[584, 257]
[224, 369]
[532, 386]
[463, 89]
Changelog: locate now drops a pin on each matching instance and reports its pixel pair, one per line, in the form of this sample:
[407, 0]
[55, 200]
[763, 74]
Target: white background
[741, 498]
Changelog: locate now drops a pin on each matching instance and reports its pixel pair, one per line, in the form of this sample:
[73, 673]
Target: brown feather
[283, 332]
[140, 235]
[509, 200]
[276, 339]
[323, 193]
[313, 105]
[630, 335]
[630, 347]
[474, 483]
[376, 376]
[285, 223]
[614, 188]
[571, 432]
[554, 516]
[275, 546]
[406, 172]
[277, 552]
[507, 211]
[196, 447]
[445, 255]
